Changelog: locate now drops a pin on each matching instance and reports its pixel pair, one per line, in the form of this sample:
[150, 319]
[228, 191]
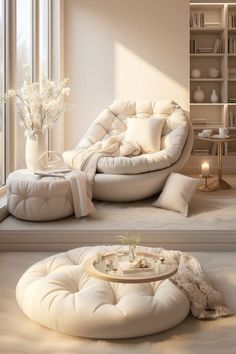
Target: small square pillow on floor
[177, 193]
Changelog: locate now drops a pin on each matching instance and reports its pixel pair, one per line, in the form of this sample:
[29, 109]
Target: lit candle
[205, 169]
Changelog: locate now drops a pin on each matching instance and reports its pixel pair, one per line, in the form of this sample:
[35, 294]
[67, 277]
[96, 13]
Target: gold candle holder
[205, 187]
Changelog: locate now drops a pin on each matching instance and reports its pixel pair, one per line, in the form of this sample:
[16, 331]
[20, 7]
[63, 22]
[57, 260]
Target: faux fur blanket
[205, 302]
[87, 160]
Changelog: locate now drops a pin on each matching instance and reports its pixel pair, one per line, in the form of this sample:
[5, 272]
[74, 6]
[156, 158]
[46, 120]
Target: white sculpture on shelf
[214, 97]
[214, 73]
[198, 95]
[196, 73]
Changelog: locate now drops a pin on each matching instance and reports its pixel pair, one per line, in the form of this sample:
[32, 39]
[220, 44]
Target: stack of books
[212, 24]
[232, 151]
[199, 121]
[197, 20]
[232, 73]
[200, 152]
[232, 100]
[204, 50]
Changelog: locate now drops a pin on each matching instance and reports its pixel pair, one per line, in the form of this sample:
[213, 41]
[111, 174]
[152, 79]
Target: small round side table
[219, 183]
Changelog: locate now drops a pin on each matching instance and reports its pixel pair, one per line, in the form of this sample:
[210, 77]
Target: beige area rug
[19, 335]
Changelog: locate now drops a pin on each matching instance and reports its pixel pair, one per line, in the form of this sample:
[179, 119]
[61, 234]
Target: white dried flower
[40, 104]
[11, 93]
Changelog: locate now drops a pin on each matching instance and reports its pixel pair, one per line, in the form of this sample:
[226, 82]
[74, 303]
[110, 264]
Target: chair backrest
[112, 121]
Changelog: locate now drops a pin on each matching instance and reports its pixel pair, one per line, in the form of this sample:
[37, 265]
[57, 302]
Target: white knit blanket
[87, 160]
[205, 301]
[82, 203]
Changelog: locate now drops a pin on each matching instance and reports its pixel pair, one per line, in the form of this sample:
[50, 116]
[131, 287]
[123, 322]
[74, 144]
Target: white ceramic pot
[196, 73]
[34, 148]
[198, 95]
[214, 97]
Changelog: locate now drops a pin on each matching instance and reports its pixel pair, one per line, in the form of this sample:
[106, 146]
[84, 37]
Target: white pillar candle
[205, 169]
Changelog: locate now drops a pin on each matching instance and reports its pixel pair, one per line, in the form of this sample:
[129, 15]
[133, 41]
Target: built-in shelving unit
[213, 45]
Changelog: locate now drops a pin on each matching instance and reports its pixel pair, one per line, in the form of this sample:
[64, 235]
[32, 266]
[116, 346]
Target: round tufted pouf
[30, 197]
[57, 293]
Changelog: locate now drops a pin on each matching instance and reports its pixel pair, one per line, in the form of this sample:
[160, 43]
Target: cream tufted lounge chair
[134, 178]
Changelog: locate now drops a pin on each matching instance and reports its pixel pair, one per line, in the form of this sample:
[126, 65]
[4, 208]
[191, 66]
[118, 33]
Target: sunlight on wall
[136, 79]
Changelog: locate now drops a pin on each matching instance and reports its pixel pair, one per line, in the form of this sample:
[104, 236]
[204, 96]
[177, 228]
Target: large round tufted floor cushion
[57, 293]
[38, 199]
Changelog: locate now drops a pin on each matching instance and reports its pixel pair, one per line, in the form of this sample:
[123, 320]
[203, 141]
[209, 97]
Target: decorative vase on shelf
[198, 95]
[214, 73]
[34, 148]
[214, 97]
[196, 73]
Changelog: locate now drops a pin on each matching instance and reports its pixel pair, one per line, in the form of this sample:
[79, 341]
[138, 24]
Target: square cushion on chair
[146, 132]
[177, 193]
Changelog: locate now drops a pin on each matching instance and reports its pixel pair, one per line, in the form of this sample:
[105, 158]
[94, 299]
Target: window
[2, 90]
[44, 37]
[32, 55]
[27, 24]
[24, 64]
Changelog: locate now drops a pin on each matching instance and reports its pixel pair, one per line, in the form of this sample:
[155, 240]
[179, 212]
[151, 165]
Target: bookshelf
[213, 45]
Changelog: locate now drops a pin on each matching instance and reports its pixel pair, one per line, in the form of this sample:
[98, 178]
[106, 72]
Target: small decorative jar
[198, 95]
[213, 72]
[196, 73]
[214, 97]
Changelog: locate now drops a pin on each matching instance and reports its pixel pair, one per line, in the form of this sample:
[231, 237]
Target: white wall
[124, 49]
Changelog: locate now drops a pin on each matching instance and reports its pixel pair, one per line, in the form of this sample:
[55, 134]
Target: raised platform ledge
[58, 240]
[211, 226]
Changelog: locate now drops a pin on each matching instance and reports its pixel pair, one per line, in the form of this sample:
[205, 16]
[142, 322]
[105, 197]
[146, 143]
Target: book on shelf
[232, 20]
[197, 20]
[232, 45]
[232, 100]
[232, 119]
[199, 121]
[212, 24]
[200, 152]
[218, 46]
[193, 46]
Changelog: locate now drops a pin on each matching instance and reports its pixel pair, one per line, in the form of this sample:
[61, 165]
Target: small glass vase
[132, 253]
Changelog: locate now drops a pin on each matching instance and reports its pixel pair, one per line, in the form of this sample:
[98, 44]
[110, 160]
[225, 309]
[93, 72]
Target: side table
[219, 183]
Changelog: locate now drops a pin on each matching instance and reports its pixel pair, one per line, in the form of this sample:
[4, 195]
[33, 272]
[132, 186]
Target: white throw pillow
[177, 193]
[146, 132]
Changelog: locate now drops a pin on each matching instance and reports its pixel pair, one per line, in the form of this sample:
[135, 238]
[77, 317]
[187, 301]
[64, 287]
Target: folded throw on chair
[80, 190]
[205, 301]
[87, 160]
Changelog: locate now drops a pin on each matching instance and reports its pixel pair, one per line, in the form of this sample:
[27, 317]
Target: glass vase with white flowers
[39, 105]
